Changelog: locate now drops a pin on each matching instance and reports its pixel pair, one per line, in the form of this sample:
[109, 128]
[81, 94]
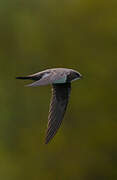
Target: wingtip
[19, 77]
[47, 140]
[28, 85]
[49, 136]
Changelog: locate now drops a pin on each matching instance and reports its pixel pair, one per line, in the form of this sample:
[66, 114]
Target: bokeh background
[40, 34]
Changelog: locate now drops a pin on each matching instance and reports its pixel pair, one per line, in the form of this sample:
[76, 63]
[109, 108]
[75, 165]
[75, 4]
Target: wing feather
[58, 105]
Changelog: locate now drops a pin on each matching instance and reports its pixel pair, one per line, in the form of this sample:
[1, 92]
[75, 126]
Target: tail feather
[34, 78]
[25, 77]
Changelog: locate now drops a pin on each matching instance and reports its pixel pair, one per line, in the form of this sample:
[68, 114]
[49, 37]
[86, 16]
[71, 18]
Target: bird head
[73, 75]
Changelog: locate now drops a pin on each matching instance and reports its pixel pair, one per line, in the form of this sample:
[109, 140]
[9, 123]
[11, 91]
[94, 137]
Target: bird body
[60, 79]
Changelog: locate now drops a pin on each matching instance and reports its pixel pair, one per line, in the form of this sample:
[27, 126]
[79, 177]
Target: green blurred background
[40, 34]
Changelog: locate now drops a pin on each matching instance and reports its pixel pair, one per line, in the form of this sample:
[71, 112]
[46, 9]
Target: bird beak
[81, 76]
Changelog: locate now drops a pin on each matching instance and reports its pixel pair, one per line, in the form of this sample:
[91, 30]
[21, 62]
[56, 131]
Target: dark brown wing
[59, 101]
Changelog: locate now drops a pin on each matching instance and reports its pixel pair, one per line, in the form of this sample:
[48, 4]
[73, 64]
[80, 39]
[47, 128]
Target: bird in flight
[60, 79]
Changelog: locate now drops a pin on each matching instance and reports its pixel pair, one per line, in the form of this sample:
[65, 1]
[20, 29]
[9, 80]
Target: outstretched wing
[45, 77]
[59, 101]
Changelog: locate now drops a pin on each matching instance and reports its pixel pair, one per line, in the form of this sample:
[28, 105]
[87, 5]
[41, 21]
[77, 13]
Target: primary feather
[58, 105]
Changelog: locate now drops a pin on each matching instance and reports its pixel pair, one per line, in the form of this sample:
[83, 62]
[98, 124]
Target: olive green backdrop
[40, 34]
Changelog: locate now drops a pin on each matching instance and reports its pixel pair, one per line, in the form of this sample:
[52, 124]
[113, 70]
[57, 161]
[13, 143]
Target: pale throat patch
[62, 80]
[75, 79]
